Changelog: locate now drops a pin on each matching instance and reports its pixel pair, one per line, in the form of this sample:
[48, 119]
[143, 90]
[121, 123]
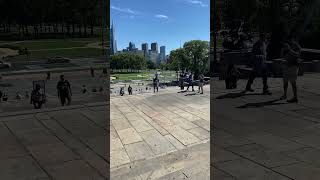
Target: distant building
[153, 56]
[113, 42]
[145, 49]
[132, 47]
[154, 47]
[162, 54]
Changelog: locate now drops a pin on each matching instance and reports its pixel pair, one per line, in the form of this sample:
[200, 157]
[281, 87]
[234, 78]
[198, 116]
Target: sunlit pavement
[162, 135]
[22, 83]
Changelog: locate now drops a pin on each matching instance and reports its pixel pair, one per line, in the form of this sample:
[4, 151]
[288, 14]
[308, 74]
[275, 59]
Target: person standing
[130, 90]
[259, 51]
[181, 82]
[201, 81]
[190, 81]
[92, 71]
[291, 53]
[48, 75]
[155, 84]
[36, 97]
[64, 91]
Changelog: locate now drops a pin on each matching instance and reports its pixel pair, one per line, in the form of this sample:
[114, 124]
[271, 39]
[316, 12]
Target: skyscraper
[145, 50]
[113, 42]
[132, 46]
[153, 56]
[145, 47]
[162, 54]
[154, 47]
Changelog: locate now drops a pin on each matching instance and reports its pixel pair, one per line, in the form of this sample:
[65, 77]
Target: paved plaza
[54, 142]
[161, 135]
[257, 137]
[57, 143]
[22, 83]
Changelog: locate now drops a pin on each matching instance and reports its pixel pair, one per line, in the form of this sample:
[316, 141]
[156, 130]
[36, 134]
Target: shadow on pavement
[262, 104]
[236, 95]
[191, 94]
[183, 91]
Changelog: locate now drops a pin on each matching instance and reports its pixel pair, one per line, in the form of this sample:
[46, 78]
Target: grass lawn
[54, 43]
[44, 48]
[68, 53]
[145, 75]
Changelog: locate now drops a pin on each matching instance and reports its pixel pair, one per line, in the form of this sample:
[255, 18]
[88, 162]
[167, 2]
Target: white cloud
[161, 16]
[127, 10]
[202, 4]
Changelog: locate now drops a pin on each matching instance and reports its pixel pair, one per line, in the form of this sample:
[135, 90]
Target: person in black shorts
[64, 91]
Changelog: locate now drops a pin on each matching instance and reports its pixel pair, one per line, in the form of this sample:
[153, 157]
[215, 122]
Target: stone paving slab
[254, 138]
[64, 144]
[157, 134]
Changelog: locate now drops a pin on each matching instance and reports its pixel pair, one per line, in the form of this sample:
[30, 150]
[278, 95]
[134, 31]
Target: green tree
[179, 60]
[151, 65]
[127, 61]
[198, 52]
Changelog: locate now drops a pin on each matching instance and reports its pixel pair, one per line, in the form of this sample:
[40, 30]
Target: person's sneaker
[283, 97]
[293, 100]
[249, 89]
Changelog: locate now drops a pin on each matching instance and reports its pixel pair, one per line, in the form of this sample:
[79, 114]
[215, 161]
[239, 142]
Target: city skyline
[169, 22]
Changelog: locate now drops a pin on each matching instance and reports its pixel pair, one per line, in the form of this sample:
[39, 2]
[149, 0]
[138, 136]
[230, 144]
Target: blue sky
[167, 22]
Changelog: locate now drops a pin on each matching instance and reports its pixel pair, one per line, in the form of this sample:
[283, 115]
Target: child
[232, 76]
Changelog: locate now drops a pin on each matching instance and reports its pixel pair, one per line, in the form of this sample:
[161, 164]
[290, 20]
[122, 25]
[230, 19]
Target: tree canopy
[127, 61]
[194, 56]
[37, 17]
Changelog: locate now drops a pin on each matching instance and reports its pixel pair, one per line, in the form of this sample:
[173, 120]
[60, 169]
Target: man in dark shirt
[64, 91]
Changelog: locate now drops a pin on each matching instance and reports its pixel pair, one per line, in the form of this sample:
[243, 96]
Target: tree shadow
[236, 95]
[262, 104]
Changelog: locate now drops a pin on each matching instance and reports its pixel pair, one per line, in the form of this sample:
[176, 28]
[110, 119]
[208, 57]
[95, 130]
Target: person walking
[259, 65]
[201, 81]
[291, 53]
[64, 91]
